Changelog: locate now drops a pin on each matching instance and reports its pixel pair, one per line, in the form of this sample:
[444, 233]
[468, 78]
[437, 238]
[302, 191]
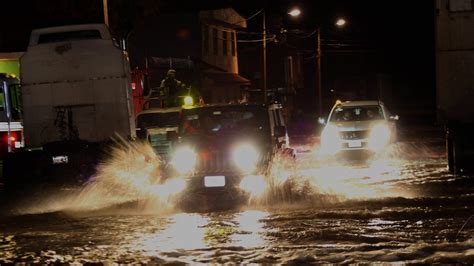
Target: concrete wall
[454, 22]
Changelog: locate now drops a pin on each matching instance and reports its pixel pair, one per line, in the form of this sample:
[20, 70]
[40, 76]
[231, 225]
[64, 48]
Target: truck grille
[361, 134]
[163, 149]
[214, 162]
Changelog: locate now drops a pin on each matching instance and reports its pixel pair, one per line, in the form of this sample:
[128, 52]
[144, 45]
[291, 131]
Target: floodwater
[402, 206]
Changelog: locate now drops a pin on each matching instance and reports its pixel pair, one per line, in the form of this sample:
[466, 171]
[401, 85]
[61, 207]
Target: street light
[296, 12]
[341, 22]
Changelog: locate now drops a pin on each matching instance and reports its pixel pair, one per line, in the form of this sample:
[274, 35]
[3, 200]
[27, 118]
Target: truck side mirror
[280, 131]
[172, 136]
[141, 133]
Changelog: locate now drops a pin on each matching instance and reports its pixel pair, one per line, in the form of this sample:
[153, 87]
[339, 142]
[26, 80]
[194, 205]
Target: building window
[215, 41]
[205, 40]
[233, 43]
[224, 42]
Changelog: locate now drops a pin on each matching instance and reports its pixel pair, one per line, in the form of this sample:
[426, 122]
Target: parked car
[358, 126]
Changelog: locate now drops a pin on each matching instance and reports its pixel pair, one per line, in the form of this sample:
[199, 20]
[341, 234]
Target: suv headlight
[245, 157]
[379, 136]
[184, 159]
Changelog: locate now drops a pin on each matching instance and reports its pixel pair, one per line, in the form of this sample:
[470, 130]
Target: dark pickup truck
[224, 151]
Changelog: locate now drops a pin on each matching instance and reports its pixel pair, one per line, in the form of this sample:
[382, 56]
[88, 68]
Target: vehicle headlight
[379, 136]
[330, 140]
[246, 157]
[184, 159]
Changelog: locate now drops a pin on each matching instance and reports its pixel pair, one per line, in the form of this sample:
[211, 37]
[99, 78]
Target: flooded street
[403, 206]
[236, 132]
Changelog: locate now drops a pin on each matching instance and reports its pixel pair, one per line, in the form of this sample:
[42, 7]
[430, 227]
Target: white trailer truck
[77, 94]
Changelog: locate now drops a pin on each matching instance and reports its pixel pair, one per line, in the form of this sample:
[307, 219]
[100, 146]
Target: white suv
[358, 125]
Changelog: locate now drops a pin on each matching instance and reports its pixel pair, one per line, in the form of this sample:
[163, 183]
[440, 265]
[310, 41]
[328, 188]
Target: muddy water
[400, 207]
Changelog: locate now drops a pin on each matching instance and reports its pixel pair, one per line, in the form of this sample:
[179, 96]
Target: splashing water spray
[131, 177]
[132, 174]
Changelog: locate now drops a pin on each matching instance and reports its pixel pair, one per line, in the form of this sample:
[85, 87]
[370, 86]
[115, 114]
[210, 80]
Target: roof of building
[228, 16]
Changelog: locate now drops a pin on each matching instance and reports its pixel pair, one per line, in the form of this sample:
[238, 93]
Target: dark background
[390, 38]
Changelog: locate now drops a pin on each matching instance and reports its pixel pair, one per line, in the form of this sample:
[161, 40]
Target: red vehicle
[138, 89]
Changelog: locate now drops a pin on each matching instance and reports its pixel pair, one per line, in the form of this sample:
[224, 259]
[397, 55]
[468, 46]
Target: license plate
[214, 181]
[62, 159]
[354, 144]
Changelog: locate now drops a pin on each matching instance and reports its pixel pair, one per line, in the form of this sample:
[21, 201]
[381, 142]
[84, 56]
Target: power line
[259, 40]
[250, 33]
[270, 38]
[252, 16]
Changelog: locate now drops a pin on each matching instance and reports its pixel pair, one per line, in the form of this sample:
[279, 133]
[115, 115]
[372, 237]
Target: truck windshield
[219, 120]
[357, 113]
[158, 120]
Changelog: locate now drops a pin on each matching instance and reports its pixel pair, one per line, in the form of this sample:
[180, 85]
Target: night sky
[399, 33]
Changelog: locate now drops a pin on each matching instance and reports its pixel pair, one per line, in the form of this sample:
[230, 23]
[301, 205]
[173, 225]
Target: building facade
[201, 47]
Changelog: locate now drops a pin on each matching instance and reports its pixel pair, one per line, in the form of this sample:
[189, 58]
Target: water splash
[321, 180]
[130, 178]
[132, 173]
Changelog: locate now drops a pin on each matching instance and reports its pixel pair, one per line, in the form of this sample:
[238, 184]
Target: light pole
[318, 71]
[296, 12]
[106, 12]
[264, 59]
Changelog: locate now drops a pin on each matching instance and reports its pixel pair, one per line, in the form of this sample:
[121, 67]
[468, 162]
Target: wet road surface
[400, 207]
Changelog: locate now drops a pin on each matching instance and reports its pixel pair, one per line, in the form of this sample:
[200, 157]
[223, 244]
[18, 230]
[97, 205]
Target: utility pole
[106, 12]
[318, 72]
[264, 59]
[295, 12]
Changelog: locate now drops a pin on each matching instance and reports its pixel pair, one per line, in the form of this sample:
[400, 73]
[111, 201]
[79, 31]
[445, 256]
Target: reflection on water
[361, 233]
[251, 228]
[184, 231]
[196, 231]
